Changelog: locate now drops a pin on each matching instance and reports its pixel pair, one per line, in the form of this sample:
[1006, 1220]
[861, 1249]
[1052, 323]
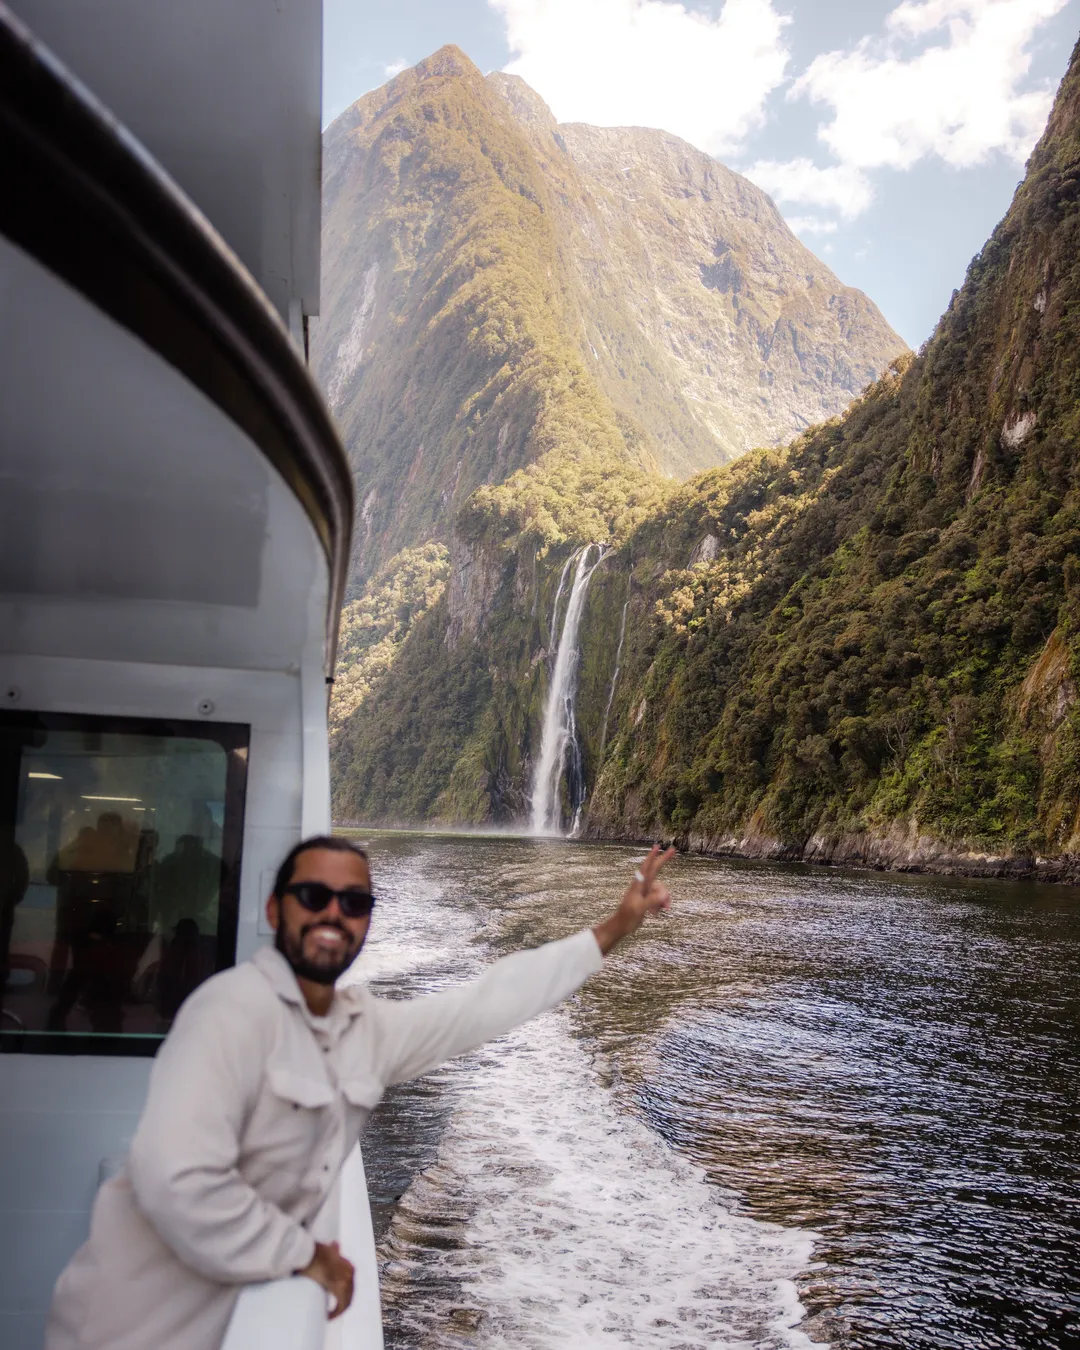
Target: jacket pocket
[366, 1093]
[298, 1090]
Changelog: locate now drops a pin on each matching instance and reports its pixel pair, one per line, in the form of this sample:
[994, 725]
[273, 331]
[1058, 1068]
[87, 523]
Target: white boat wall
[175, 518]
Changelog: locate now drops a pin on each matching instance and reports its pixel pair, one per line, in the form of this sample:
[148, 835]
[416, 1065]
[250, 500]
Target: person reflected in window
[261, 1089]
[146, 853]
[14, 882]
[187, 885]
[95, 885]
[187, 958]
[59, 873]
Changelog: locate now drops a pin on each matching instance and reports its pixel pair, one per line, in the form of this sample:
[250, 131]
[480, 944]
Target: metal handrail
[291, 1314]
[279, 1315]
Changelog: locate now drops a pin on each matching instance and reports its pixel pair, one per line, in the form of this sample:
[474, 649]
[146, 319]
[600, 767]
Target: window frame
[235, 739]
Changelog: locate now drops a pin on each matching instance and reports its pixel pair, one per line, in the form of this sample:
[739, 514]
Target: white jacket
[253, 1106]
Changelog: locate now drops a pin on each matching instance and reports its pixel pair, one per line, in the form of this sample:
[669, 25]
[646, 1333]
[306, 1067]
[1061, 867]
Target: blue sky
[892, 133]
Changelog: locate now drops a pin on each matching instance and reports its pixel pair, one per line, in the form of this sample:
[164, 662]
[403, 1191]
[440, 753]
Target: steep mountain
[497, 287]
[706, 318]
[863, 647]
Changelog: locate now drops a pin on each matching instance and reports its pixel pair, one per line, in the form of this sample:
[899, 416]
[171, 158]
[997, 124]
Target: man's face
[322, 946]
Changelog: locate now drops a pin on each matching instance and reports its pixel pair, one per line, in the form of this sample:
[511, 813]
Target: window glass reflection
[118, 870]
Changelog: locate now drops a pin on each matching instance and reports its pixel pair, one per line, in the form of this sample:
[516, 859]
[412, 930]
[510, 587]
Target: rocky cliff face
[442, 343]
[704, 316]
[497, 287]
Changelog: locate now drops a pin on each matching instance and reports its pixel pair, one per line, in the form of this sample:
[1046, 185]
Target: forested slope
[882, 659]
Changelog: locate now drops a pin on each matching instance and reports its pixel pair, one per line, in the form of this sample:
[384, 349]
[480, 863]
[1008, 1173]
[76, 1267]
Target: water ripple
[885, 1068]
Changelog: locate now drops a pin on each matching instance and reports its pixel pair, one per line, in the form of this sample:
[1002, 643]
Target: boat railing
[279, 1315]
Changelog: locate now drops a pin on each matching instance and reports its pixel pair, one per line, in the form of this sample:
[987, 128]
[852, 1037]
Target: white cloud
[838, 187]
[651, 63]
[945, 79]
[811, 225]
[395, 68]
[959, 97]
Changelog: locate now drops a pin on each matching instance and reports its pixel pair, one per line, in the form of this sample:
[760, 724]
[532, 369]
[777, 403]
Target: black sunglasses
[315, 896]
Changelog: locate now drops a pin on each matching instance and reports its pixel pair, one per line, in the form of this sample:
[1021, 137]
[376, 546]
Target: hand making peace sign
[645, 895]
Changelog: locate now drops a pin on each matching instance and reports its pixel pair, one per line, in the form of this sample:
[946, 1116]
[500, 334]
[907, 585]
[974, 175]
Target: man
[258, 1094]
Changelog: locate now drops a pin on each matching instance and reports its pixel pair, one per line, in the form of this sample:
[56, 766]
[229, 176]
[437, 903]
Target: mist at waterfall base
[805, 1108]
[560, 750]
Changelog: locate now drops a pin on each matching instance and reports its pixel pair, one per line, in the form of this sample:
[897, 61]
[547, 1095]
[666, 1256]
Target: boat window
[119, 871]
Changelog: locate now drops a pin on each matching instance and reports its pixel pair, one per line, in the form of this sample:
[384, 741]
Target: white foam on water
[588, 1231]
[577, 1227]
[387, 961]
[410, 932]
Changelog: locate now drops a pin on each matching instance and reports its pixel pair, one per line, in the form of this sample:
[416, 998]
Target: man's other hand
[331, 1270]
[645, 895]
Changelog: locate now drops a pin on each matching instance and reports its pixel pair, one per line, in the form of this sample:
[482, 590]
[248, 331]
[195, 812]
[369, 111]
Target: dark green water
[808, 1107]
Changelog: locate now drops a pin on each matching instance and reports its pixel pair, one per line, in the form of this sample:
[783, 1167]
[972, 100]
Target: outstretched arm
[414, 1036]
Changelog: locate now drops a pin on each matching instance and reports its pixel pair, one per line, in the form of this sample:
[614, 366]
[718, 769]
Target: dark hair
[334, 843]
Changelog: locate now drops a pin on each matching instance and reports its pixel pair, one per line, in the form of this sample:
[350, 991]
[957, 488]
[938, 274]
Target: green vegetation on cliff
[874, 633]
[374, 628]
[888, 637]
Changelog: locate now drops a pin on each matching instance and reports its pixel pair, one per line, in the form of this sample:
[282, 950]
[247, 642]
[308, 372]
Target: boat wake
[553, 1219]
[541, 1212]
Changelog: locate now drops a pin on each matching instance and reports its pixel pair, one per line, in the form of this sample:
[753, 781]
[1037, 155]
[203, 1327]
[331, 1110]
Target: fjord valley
[663, 533]
[856, 646]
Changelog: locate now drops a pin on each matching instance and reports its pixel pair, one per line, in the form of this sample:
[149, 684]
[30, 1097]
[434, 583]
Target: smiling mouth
[328, 937]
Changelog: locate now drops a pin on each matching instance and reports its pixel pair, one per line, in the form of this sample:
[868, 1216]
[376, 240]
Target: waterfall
[614, 679]
[553, 627]
[558, 739]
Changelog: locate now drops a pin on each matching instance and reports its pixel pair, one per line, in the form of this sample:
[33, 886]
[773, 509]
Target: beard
[325, 971]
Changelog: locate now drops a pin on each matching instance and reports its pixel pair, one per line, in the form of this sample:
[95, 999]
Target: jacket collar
[279, 974]
[272, 965]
